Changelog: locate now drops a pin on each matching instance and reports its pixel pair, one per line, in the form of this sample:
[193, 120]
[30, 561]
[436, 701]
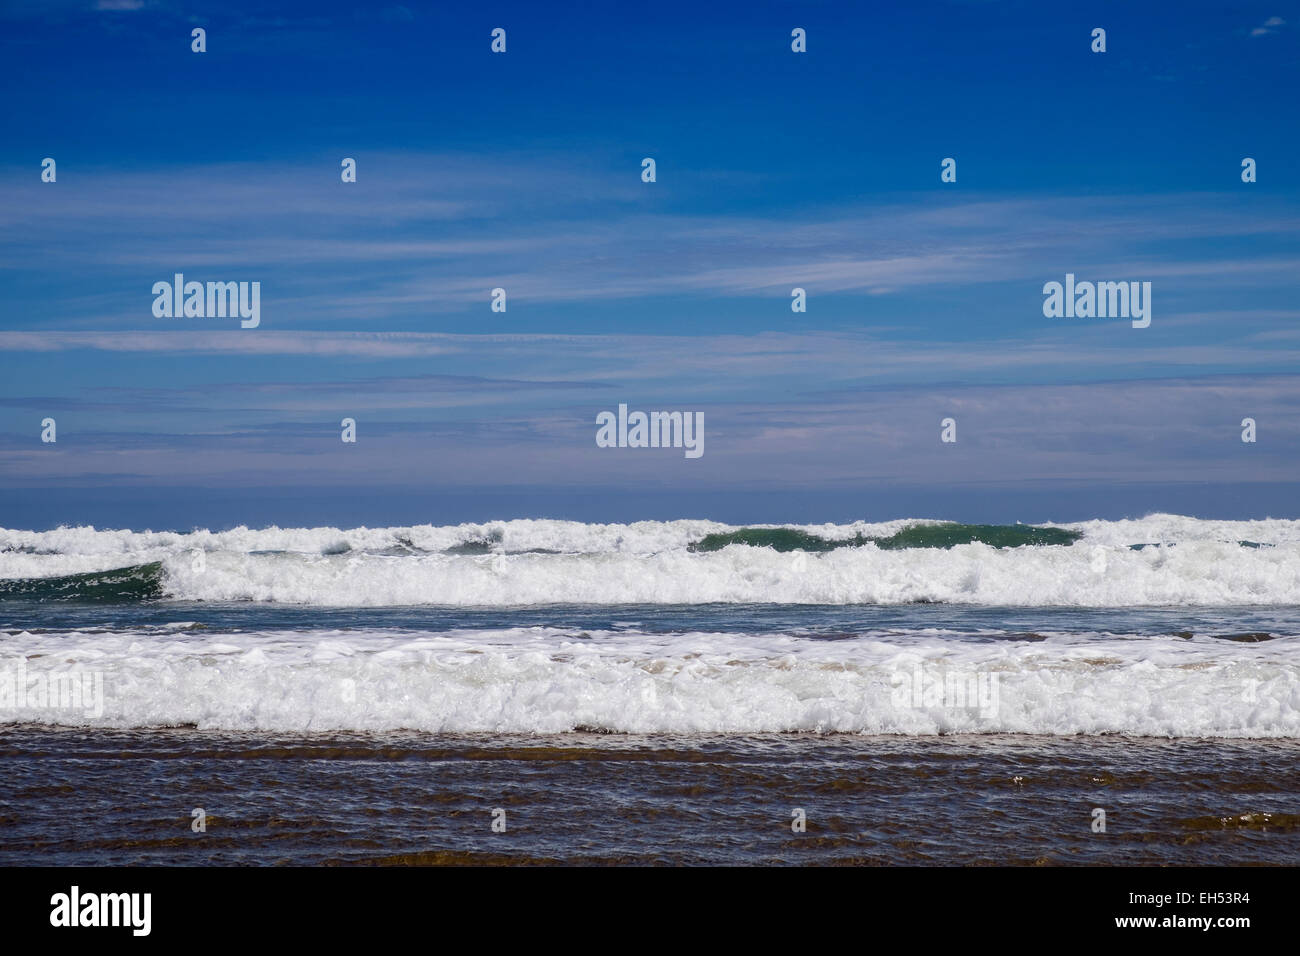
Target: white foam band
[1191, 562]
[546, 680]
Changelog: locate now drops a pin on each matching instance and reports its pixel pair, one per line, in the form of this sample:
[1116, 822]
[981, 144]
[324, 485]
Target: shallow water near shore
[126, 797]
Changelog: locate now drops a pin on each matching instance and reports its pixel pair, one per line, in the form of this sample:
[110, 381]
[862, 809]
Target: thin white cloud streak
[429, 234]
[325, 344]
[725, 361]
[1106, 432]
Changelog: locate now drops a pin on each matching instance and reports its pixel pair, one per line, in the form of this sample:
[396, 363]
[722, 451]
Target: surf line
[651, 430]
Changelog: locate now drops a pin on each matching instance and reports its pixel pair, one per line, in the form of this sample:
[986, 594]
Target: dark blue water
[815, 620]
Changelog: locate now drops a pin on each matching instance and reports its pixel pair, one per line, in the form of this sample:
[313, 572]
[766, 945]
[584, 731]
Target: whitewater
[630, 680]
[1159, 560]
[1164, 626]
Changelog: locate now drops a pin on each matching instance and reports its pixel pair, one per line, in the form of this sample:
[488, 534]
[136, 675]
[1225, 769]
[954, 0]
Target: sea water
[841, 666]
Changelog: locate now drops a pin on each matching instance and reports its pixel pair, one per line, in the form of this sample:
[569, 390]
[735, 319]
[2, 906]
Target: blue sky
[774, 170]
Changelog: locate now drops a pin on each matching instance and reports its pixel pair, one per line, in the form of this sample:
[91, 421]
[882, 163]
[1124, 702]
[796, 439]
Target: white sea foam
[548, 680]
[1187, 562]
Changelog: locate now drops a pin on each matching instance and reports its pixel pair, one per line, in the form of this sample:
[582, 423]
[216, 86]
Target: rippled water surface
[128, 796]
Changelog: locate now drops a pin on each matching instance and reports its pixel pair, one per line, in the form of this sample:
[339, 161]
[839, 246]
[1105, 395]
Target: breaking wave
[1158, 560]
[554, 680]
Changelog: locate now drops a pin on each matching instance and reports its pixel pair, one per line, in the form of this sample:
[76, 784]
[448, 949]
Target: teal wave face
[916, 536]
[779, 539]
[140, 582]
[994, 535]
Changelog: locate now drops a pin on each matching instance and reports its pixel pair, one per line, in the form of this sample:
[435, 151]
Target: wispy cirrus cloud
[1148, 430]
[719, 364]
[423, 235]
[1268, 27]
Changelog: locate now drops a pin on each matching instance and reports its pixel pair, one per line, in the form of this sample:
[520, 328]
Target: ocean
[542, 691]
